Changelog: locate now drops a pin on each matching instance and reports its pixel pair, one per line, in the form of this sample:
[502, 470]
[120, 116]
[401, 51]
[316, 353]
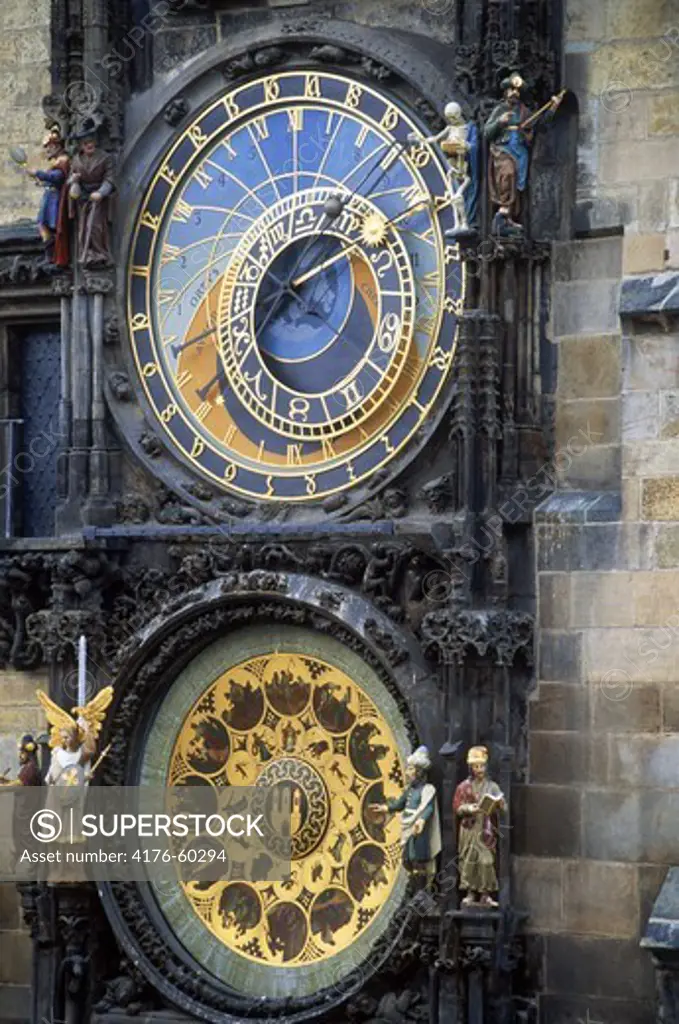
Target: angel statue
[73, 739]
[457, 141]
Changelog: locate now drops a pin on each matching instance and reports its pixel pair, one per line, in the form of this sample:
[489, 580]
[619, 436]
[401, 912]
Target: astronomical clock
[290, 308]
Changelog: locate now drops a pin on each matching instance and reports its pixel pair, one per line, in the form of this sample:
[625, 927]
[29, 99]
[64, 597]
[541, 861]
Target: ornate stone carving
[448, 634]
[120, 386]
[176, 110]
[150, 444]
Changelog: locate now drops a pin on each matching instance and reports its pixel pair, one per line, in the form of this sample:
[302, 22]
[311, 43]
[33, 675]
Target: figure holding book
[478, 800]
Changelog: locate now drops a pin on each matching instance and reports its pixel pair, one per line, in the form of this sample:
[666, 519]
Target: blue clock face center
[312, 335]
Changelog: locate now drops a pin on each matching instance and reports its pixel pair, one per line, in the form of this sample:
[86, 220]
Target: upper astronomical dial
[292, 302]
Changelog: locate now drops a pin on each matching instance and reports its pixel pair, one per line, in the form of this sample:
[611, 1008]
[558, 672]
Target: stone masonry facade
[601, 804]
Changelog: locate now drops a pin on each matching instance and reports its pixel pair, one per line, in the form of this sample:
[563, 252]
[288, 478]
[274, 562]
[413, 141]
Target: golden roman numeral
[296, 116]
[362, 135]
[183, 378]
[424, 325]
[141, 271]
[230, 434]
[167, 297]
[261, 127]
[202, 177]
[169, 253]
[312, 87]
[328, 450]
[294, 455]
[389, 158]
[272, 89]
[203, 411]
[182, 211]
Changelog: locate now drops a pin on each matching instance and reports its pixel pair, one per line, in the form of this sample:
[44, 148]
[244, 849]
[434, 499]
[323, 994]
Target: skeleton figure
[453, 142]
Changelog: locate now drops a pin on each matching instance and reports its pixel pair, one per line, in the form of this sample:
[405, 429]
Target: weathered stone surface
[642, 253]
[594, 547]
[15, 958]
[625, 119]
[560, 758]
[673, 249]
[587, 259]
[585, 307]
[655, 595]
[624, 825]
[669, 414]
[598, 967]
[631, 499]
[538, 885]
[650, 879]
[601, 898]
[640, 415]
[663, 114]
[559, 707]
[618, 658]
[651, 458]
[660, 499]
[646, 761]
[638, 711]
[570, 1009]
[650, 159]
[667, 546]
[584, 23]
[546, 821]
[589, 367]
[598, 417]
[10, 915]
[653, 206]
[554, 600]
[631, 66]
[656, 294]
[596, 467]
[559, 657]
[671, 707]
[597, 600]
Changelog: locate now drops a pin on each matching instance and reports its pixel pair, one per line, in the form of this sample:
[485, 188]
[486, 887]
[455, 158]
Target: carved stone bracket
[450, 634]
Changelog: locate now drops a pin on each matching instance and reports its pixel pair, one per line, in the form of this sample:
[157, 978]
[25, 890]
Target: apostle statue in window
[510, 129]
[90, 188]
[477, 803]
[420, 827]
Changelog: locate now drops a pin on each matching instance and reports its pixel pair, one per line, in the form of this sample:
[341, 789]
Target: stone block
[598, 417]
[640, 415]
[624, 825]
[639, 710]
[623, 117]
[616, 659]
[641, 761]
[633, 19]
[584, 22]
[650, 879]
[663, 114]
[669, 414]
[559, 707]
[653, 206]
[673, 249]
[642, 253]
[601, 898]
[595, 467]
[585, 307]
[537, 886]
[650, 363]
[554, 600]
[598, 967]
[636, 161]
[598, 599]
[559, 657]
[651, 458]
[673, 203]
[631, 499]
[587, 259]
[610, 209]
[631, 66]
[660, 499]
[573, 1009]
[563, 758]
[16, 953]
[594, 547]
[174, 46]
[589, 367]
[667, 546]
[546, 821]
[10, 915]
[654, 596]
[20, 687]
[671, 707]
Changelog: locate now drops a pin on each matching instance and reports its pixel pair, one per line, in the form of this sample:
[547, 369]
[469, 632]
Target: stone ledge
[651, 295]
[581, 507]
[662, 931]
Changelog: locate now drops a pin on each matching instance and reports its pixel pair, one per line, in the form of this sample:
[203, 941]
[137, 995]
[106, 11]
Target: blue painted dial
[292, 301]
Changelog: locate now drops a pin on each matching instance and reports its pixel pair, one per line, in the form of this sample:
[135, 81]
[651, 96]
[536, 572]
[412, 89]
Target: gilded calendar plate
[307, 718]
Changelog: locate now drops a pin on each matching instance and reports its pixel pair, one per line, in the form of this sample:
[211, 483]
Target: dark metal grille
[36, 461]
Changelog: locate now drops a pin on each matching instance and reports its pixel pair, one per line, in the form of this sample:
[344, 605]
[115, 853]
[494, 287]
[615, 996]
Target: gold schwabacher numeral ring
[292, 302]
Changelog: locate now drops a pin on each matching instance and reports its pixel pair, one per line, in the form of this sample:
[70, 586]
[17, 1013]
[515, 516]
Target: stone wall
[19, 713]
[598, 821]
[24, 80]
